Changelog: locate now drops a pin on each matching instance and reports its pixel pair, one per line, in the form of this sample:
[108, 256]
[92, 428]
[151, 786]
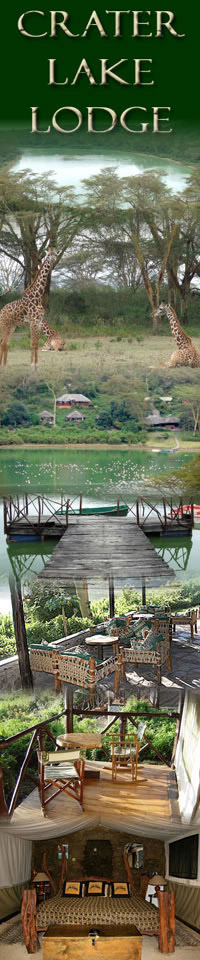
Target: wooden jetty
[39, 518]
[105, 548]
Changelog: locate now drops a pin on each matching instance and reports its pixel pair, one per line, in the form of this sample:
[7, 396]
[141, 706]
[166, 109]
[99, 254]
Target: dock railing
[43, 511]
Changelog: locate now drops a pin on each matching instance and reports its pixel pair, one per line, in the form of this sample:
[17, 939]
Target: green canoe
[109, 510]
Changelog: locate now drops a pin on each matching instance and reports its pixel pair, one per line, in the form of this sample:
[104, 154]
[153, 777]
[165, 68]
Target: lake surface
[71, 168]
[101, 476]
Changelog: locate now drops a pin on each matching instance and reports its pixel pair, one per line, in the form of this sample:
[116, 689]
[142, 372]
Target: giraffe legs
[34, 353]
[35, 328]
[4, 352]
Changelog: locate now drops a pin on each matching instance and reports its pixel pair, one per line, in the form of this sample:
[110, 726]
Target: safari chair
[62, 770]
[150, 644]
[84, 670]
[44, 659]
[125, 751]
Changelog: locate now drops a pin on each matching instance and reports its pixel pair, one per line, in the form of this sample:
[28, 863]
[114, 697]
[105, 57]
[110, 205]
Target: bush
[18, 415]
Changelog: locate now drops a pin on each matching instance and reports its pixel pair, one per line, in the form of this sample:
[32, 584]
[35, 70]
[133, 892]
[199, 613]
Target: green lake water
[69, 167]
[100, 476]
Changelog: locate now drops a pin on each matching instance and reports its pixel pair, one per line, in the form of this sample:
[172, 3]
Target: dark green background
[24, 67]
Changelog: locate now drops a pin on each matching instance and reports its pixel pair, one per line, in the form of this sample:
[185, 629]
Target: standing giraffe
[29, 309]
[186, 355]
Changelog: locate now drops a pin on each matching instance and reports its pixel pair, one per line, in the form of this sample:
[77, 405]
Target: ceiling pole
[68, 699]
[20, 632]
[111, 597]
[143, 591]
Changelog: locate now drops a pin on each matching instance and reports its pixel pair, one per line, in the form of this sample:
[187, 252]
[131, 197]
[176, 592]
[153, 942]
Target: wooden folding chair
[62, 769]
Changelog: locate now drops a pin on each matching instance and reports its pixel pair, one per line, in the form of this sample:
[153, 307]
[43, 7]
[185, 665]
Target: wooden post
[172, 923]
[165, 514]
[118, 506]
[143, 591]
[166, 903]
[28, 918]
[68, 697]
[163, 911]
[111, 597]
[137, 513]
[42, 738]
[5, 515]
[67, 513]
[3, 804]
[81, 501]
[20, 633]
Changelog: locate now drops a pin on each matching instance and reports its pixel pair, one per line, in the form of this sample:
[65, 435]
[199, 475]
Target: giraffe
[53, 342]
[29, 309]
[186, 355]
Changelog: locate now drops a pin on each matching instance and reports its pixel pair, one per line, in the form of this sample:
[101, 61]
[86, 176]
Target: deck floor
[148, 806]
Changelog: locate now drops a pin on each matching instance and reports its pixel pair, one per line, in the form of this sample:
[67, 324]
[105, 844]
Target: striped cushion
[60, 771]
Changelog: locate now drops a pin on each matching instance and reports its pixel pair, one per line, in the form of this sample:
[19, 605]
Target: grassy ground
[96, 356]
[105, 368]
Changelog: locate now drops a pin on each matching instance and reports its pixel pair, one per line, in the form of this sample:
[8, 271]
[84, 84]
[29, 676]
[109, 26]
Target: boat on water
[114, 509]
[187, 509]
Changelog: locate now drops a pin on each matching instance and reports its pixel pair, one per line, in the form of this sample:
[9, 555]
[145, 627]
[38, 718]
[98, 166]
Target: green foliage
[17, 414]
[44, 604]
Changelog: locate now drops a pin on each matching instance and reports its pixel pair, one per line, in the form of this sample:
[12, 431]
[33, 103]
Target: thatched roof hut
[72, 399]
[46, 416]
[74, 417]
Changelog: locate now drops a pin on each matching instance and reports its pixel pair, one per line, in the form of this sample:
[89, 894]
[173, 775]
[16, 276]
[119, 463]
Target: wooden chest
[76, 943]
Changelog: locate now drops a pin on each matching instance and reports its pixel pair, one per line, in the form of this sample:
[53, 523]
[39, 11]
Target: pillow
[74, 888]
[119, 889]
[97, 888]
[152, 638]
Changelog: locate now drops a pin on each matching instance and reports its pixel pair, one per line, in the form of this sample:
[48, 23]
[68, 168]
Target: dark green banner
[110, 61]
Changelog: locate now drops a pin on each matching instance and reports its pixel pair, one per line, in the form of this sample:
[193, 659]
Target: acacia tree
[36, 214]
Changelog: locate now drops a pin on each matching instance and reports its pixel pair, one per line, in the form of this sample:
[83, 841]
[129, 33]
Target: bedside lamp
[158, 881]
[42, 885]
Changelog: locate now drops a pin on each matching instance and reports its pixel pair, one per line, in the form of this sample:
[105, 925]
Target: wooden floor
[105, 547]
[149, 806]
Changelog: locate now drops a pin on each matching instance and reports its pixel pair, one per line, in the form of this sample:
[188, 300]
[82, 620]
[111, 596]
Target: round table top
[101, 639]
[85, 740]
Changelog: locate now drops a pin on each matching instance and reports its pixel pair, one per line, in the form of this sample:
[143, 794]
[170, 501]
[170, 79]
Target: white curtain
[15, 860]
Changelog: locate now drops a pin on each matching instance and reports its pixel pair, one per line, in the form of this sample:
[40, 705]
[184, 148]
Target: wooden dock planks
[100, 548]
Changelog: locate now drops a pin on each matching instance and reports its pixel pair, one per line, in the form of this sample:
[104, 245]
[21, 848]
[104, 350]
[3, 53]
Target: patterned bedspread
[102, 910]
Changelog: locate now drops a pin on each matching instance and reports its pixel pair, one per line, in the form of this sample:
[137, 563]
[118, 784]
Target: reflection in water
[175, 551]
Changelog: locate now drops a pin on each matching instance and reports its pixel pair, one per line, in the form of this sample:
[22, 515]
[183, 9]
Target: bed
[99, 910]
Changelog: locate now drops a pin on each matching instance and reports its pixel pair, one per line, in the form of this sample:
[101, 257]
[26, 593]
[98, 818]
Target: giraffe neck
[48, 330]
[39, 283]
[178, 333]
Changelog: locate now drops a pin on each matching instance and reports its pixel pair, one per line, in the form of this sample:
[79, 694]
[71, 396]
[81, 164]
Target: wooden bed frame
[117, 935]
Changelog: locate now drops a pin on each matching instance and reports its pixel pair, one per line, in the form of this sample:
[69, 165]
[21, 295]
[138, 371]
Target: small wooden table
[75, 943]
[102, 641]
[86, 741]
